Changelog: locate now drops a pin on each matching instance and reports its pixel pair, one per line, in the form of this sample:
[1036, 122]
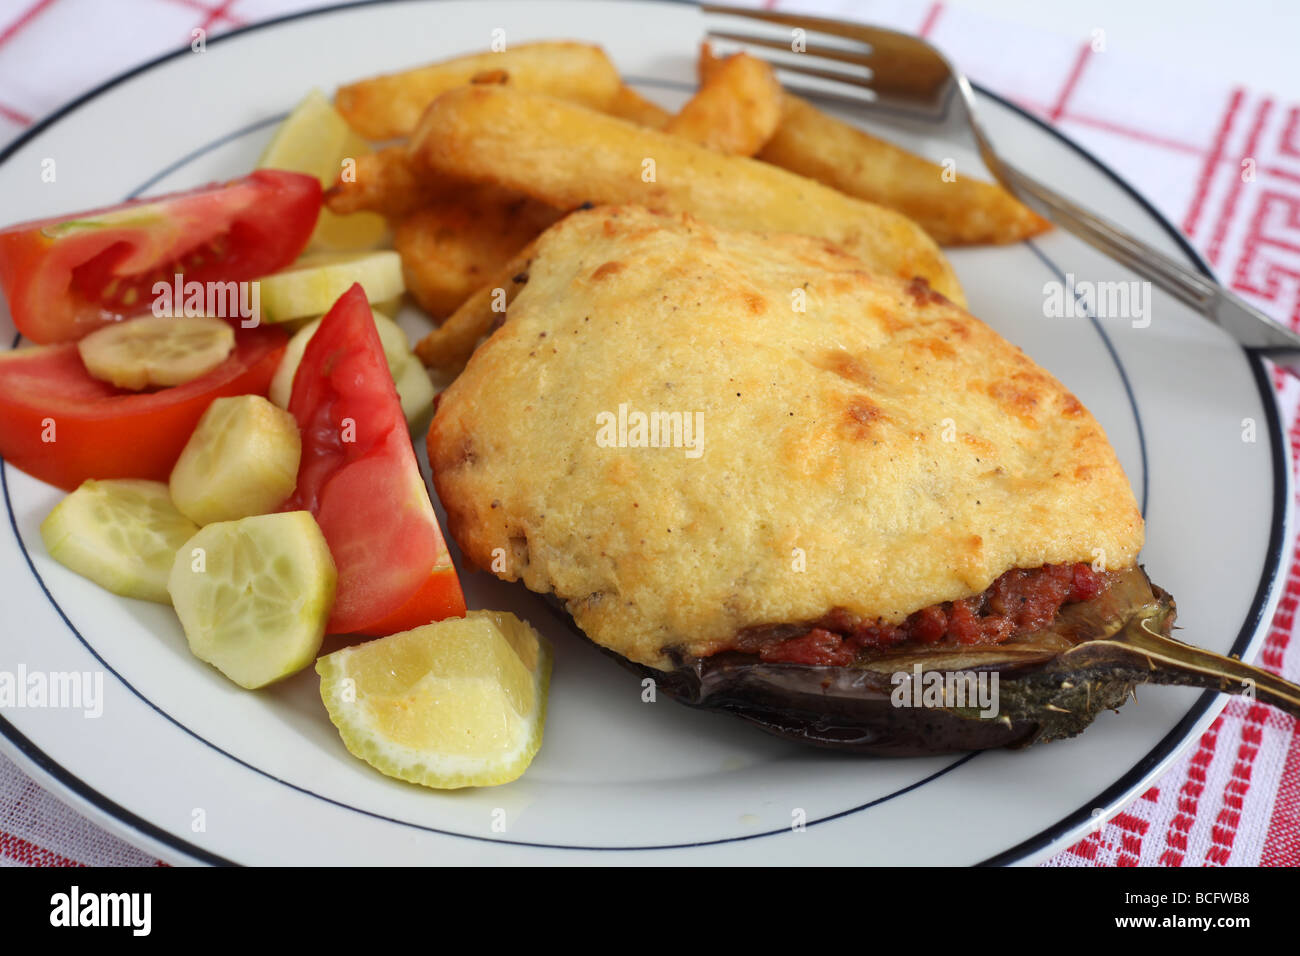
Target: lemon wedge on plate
[457, 703]
[316, 140]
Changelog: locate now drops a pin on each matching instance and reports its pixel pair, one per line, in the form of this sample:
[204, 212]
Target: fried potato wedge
[737, 108]
[814, 144]
[631, 105]
[447, 348]
[389, 106]
[565, 155]
[960, 211]
[451, 247]
[387, 182]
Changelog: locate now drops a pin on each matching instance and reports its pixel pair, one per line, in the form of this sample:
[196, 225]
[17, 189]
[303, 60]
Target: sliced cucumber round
[254, 595]
[154, 351]
[241, 460]
[122, 534]
[313, 284]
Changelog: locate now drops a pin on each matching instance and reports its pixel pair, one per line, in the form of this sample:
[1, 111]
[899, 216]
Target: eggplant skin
[1050, 686]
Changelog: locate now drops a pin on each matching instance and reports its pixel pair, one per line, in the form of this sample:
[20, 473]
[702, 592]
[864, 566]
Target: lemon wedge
[457, 703]
[314, 139]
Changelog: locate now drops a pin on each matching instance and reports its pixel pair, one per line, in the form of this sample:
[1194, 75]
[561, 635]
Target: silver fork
[904, 76]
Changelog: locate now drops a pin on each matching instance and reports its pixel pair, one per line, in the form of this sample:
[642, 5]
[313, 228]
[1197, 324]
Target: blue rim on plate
[1017, 853]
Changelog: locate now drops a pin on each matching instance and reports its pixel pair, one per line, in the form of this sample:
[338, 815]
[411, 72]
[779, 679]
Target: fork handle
[1246, 324]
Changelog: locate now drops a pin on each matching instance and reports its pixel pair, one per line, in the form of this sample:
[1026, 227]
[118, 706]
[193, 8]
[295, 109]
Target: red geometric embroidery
[1269, 266]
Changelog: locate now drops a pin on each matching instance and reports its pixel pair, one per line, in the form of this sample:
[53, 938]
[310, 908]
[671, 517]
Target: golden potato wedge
[631, 105]
[387, 182]
[389, 106]
[453, 246]
[564, 155]
[447, 348]
[736, 110]
[955, 211]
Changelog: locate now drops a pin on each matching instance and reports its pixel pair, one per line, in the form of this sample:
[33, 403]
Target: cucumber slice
[414, 387]
[253, 595]
[156, 350]
[416, 392]
[122, 534]
[242, 460]
[313, 284]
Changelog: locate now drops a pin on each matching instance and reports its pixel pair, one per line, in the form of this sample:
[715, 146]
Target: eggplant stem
[1206, 669]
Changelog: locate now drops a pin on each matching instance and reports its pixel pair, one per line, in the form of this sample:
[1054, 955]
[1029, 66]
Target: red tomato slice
[64, 277]
[359, 477]
[63, 426]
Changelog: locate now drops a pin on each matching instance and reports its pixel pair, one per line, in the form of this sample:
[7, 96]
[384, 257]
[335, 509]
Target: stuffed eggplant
[821, 499]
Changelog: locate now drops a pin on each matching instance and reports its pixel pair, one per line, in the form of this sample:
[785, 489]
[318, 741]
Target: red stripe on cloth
[1188, 798]
[213, 13]
[1290, 144]
[1133, 830]
[1282, 847]
[1097, 122]
[1137, 134]
[30, 854]
[25, 18]
[1271, 238]
[931, 18]
[11, 114]
[1212, 161]
[1215, 248]
[1279, 637]
[1086, 849]
[220, 13]
[1071, 82]
[1224, 832]
[1281, 173]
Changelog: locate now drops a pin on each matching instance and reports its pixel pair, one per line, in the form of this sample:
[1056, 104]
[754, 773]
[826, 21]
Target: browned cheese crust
[864, 443]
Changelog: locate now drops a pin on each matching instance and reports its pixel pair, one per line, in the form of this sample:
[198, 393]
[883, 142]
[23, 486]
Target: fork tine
[825, 52]
[821, 24]
[835, 76]
[901, 65]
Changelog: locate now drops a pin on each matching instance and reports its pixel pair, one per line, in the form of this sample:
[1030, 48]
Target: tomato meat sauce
[1021, 601]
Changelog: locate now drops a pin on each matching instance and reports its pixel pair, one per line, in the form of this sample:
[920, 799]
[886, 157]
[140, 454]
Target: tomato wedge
[359, 477]
[64, 277]
[63, 426]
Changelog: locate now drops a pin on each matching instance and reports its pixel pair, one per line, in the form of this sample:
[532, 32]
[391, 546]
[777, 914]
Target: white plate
[618, 780]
